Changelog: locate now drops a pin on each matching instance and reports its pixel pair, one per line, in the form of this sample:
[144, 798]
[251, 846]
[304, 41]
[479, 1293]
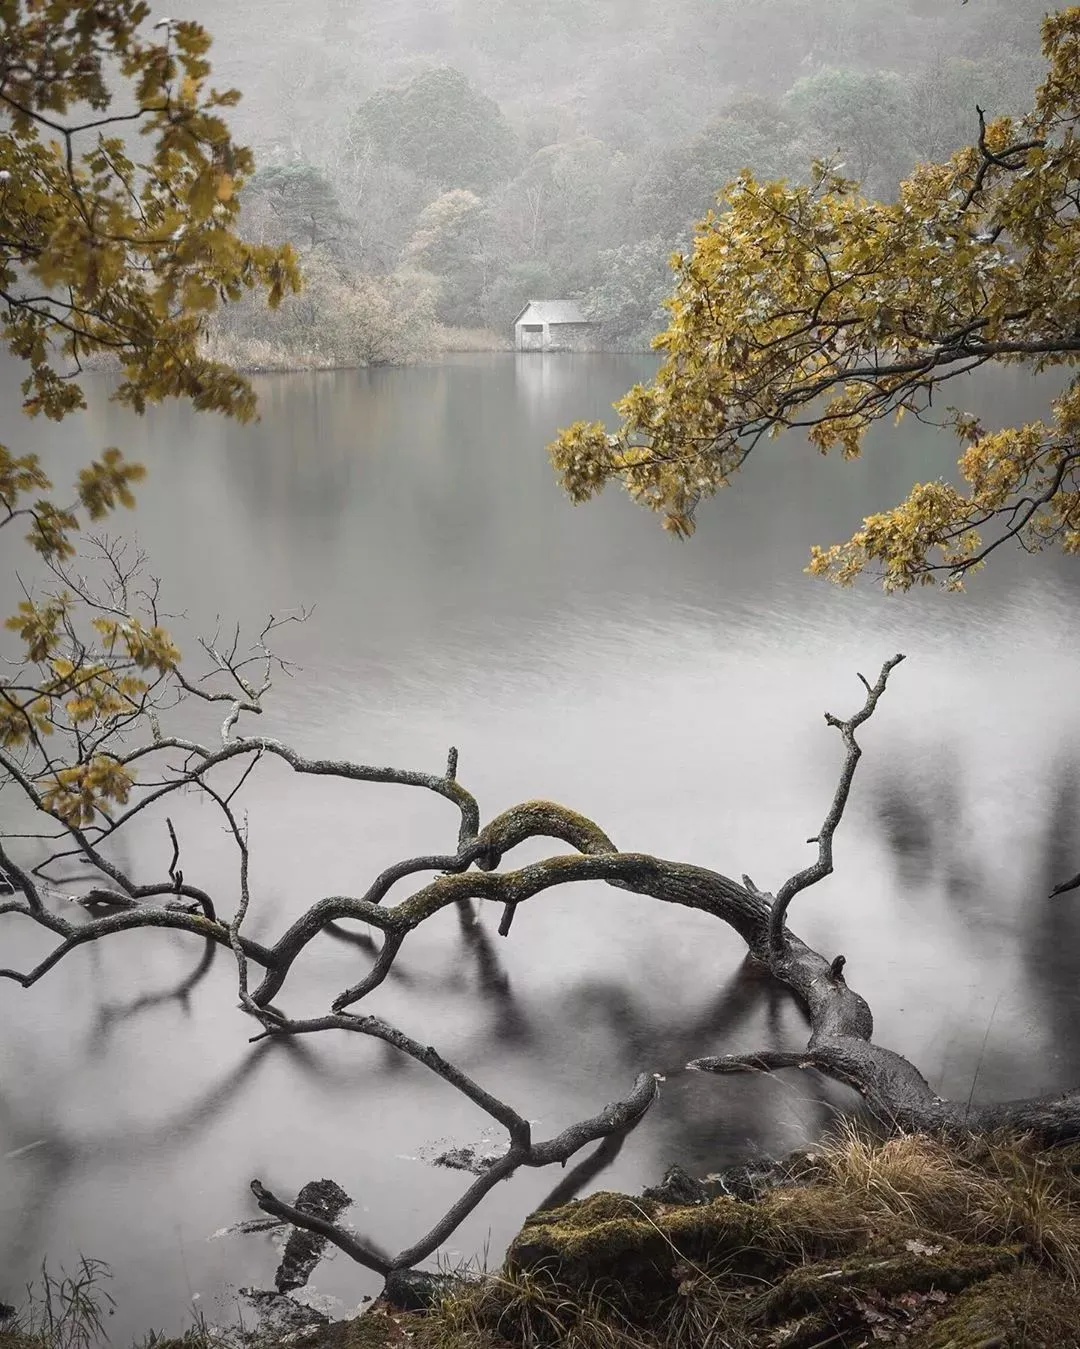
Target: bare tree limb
[613, 1119]
[357, 1250]
[840, 1044]
[503, 1169]
[763, 1061]
[21, 880]
[823, 866]
[443, 786]
[74, 937]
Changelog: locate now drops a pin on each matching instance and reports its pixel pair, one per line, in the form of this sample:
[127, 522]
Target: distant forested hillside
[443, 161]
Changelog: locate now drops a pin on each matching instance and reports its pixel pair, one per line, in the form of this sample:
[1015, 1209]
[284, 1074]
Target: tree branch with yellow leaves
[103, 254]
[808, 308]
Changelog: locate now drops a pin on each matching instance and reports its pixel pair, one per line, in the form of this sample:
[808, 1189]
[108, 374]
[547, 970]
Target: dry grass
[301, 349]
[250, 355]
[65, 1310]
[997, 1191]
[909, 1239]
[445, 340]
[259, 355]
[526, 1307]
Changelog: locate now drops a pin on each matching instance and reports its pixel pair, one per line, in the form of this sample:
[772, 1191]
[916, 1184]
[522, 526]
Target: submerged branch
[309, 1222]
[1066, 886]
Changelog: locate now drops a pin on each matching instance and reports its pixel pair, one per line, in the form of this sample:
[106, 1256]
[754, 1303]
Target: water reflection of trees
[619, 1024]
[1050, 945]
[626, 1029]
[917, 811]
[298, 463]
[916, 808]
[401, 470]
[57, 1156]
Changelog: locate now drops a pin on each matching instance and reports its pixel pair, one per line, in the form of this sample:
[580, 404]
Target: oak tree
[442, 129]
[107, 252]
[810, 307]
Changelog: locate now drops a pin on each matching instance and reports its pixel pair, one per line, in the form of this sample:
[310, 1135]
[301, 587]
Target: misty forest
[647, 434]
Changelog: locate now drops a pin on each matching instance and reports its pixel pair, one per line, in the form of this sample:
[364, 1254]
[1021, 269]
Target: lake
[672, 691]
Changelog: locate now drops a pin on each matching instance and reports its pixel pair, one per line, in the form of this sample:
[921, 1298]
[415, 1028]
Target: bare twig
[823, 866]
[362, 1254]
[1066, 886]
[173, 873]
[21, 880]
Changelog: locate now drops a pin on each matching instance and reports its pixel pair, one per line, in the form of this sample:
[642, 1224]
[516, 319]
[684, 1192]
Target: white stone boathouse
[554, 325]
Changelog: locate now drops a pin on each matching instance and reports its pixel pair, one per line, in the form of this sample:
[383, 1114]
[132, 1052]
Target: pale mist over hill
[441, 162]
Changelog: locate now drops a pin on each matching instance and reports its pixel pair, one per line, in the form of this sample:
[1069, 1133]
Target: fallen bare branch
[840, 1044]
[309, 1222]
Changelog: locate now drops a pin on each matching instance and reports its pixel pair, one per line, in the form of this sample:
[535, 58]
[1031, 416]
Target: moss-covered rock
[1024, 1310]
[639, 1249]
[804, 1264]
[630, 1246]
[833, 1288]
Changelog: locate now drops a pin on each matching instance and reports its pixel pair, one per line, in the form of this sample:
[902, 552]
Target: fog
[439, 163]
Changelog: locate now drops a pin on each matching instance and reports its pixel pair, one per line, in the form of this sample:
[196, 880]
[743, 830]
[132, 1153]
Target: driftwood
[841, 1042]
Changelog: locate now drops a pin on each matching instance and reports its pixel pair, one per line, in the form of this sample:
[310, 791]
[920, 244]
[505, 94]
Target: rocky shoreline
[908, 1240]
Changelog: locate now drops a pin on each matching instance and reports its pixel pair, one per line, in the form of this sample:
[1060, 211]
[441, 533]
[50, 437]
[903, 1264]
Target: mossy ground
[905, 1242]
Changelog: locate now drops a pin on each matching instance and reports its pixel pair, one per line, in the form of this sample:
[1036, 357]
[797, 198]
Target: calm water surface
[673, 692]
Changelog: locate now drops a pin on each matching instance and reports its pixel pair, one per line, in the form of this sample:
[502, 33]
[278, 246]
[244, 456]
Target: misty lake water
[673, 692]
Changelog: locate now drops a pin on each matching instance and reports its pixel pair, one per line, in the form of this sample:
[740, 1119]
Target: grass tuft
[989, 1189]
[65, 1311]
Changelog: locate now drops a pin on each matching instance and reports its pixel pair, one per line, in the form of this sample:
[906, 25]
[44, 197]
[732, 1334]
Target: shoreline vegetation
[862, 1240]
[265, 356]
[258, 355]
